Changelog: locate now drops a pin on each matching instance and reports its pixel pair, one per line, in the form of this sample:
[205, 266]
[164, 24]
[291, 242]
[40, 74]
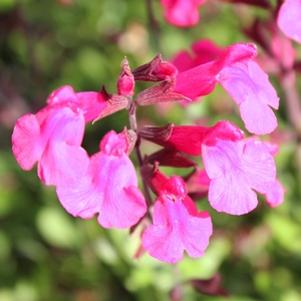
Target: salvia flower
[236, 167]
[105, 185]
[182, 13]
[235, 69]
[177, 224]
[48, 138]
[109, 188]
[237, 170]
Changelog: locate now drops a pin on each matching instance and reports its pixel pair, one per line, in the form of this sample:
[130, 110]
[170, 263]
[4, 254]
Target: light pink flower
[109, 187]
[182, 13]
[289, 19]
[235, 69]
[177, 224]
[236, 170]
[48, 138]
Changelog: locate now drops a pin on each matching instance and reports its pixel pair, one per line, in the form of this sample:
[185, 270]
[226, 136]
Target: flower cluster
[234, 167]
[185, 13]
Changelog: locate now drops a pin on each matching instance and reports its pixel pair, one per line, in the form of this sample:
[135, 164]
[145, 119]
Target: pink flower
[109, 187]
[48, 138]
[289, 19]
[234, 68]
[198, 77]
[182, 13]
[236, 170]
[234, 167]
[177, 224]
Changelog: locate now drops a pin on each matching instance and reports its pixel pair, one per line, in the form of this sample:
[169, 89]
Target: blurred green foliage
[47, 255]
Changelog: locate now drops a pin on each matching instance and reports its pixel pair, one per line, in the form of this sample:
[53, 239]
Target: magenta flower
[109, 188]
[48, 138]
[177, 224]
[234, 68]
[182, 13]
[289, 19]
[235, 167]
[236, 170]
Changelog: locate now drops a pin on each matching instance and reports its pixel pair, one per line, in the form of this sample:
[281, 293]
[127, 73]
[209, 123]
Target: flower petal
[26, 141]
[62, 164]
[123, 204]
[250, 88]
[275, 194]
[289, 19]
[236, 168]
[231, 194]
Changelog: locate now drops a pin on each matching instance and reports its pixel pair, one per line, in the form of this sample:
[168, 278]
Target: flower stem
[288, 81]
[153, 25]
[134, 127]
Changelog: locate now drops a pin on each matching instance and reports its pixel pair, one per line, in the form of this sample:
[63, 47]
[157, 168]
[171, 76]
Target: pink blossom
[234, 68]
[182, 13]
[289, 19]
[48, 138]
[109, 188]
[236, 170]
[177, 224]
[198, 77]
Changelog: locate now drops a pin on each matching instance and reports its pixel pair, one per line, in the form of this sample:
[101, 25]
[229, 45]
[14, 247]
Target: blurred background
[45, 254]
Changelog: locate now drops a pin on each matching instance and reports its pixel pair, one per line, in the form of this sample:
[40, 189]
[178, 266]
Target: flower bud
[126, 81]
[156, 70]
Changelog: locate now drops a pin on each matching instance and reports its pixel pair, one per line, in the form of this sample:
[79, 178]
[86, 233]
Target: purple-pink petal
[89, 102]
[26, 141]
[275, 194]
[250, 88]
[289, 19]
[62, 164]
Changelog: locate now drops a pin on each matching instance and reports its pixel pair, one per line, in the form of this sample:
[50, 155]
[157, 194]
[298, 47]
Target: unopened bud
[126, 81]
[156, 70]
